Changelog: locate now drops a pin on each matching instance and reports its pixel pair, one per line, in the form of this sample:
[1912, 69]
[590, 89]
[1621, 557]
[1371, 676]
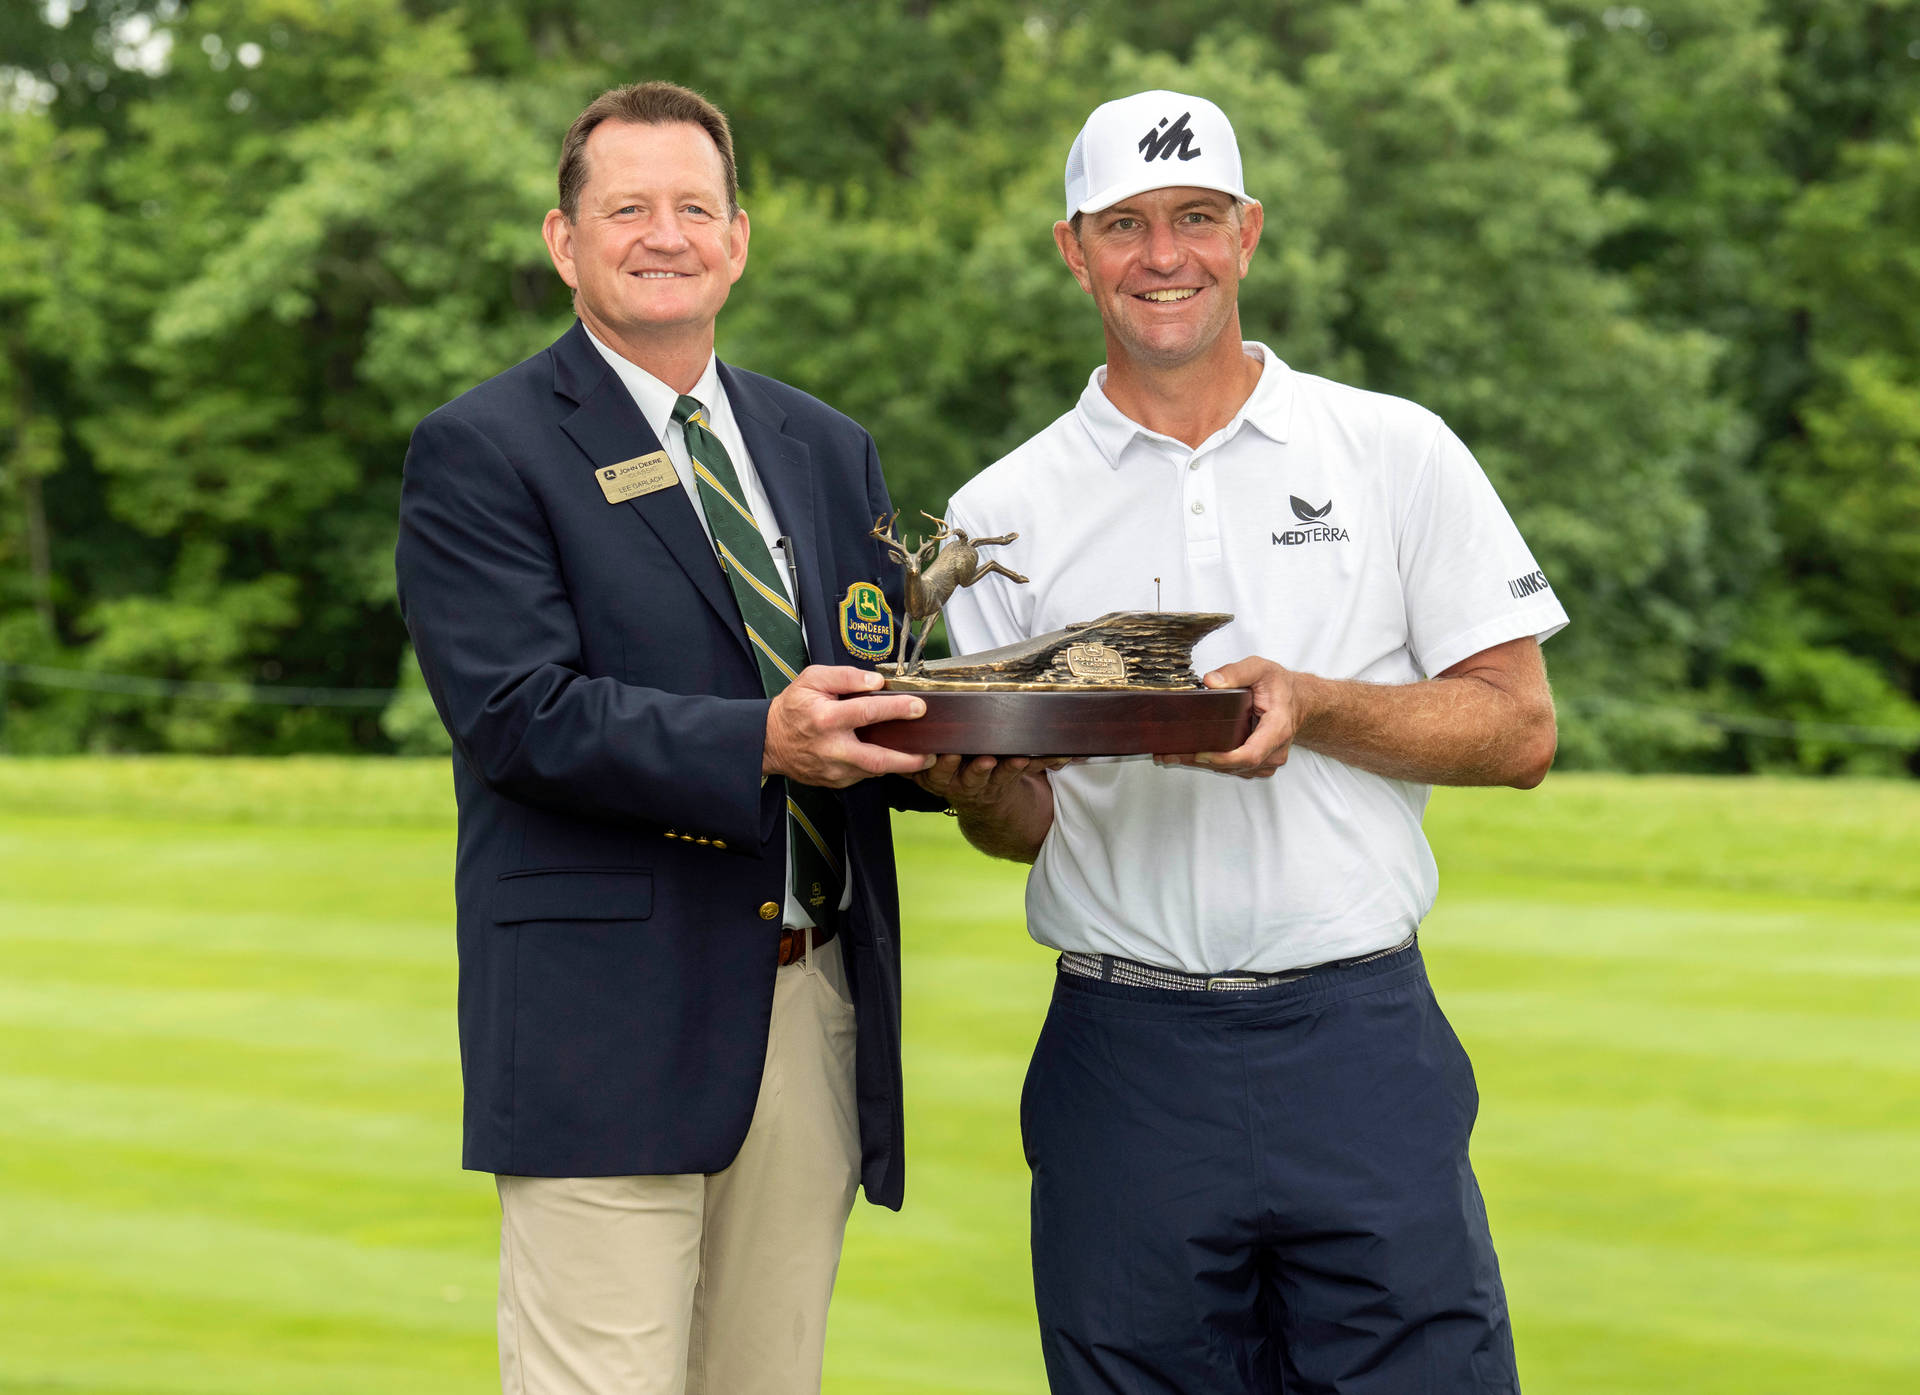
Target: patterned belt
[1109, 968]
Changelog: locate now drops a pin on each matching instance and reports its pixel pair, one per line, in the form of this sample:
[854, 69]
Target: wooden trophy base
[1123, 722]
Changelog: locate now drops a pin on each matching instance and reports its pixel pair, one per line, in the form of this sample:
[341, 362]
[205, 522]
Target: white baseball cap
[1151, 140]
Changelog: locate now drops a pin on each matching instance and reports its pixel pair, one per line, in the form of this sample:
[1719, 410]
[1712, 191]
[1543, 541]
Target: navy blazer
[617, 844]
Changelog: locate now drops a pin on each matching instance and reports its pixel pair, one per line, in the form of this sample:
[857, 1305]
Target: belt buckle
[1231, 983]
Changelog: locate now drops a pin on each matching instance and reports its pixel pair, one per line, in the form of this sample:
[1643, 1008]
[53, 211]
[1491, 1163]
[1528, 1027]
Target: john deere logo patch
[866, 621]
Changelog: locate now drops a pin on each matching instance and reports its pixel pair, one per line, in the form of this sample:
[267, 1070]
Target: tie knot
[688, 409]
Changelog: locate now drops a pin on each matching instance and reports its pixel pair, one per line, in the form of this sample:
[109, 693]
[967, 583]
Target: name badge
[629, 479]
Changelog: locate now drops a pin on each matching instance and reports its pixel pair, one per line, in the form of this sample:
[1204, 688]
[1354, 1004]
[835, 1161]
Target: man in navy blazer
[676, 1067]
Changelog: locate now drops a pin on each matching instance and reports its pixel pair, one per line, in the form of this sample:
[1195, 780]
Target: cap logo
[1174, 140]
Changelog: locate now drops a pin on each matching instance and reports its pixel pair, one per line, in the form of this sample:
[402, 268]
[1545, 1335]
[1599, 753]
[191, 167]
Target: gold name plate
[631, 478]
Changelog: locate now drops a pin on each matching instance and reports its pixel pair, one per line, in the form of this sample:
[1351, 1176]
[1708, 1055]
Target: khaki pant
[697, 1284]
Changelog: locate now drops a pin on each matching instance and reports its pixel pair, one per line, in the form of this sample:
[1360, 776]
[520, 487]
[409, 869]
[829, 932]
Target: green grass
[228, 1088]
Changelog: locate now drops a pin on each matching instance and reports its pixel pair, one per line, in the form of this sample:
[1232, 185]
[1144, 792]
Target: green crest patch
[866, 621]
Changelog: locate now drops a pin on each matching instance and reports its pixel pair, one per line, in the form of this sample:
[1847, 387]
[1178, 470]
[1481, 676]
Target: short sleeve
[1469, 580]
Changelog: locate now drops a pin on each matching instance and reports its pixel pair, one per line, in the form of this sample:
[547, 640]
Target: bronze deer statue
[928, 587]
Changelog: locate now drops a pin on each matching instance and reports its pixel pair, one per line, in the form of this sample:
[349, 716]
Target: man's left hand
[1279, 709]
[1486, 720]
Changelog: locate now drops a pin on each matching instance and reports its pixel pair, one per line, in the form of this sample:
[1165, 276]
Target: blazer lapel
[609, 428]
[785, 466]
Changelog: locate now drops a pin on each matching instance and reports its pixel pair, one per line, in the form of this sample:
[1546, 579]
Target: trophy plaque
[1122, 684]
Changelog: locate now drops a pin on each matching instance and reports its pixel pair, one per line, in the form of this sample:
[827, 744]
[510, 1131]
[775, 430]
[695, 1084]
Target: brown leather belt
[793, 943]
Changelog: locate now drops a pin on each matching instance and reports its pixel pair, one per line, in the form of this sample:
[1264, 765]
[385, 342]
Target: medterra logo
[1315, 525]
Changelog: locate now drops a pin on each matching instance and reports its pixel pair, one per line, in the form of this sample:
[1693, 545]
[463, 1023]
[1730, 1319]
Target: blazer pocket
[573, 893]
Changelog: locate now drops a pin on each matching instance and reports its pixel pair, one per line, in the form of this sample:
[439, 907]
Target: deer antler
[883, 534]
[942, 532]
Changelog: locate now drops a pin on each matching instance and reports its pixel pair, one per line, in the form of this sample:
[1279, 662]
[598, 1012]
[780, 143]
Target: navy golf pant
[1261, 1191]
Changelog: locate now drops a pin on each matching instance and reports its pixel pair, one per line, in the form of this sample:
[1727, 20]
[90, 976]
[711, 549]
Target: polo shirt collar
[653, 397]
[1268, 409]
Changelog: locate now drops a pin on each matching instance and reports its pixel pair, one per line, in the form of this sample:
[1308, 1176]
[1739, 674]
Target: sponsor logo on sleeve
[1316, 525]
[1532, 584]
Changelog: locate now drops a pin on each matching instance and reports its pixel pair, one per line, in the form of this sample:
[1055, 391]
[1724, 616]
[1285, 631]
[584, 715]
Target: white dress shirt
[656, 402]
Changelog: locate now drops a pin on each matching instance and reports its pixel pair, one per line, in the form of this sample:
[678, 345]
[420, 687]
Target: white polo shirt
[1350, 535]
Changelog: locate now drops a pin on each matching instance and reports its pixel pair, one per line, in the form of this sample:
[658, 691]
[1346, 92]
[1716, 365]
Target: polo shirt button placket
[1203, 533]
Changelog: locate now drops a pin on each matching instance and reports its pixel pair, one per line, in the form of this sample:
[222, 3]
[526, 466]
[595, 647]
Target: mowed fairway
[229, 1089]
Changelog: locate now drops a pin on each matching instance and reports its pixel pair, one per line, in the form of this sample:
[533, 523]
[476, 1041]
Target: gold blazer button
[769, 910]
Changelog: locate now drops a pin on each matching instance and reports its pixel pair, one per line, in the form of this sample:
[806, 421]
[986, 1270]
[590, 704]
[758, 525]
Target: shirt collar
[1268, 409]
[654, 398]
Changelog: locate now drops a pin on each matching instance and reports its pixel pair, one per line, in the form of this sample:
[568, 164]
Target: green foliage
[1778, 667]
[1472, 216]
[410, 721]
[1653, 264]
[1849, 482]
[1852, 74]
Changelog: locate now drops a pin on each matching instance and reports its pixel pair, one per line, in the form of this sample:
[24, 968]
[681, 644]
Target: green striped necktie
[815, 827]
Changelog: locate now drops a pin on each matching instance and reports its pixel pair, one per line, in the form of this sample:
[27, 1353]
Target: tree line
[1655, 264]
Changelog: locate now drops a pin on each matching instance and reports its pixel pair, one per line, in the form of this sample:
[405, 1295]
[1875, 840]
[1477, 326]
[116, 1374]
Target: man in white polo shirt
[1246, 1117]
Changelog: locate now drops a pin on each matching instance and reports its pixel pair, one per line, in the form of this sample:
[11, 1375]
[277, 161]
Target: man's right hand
[810, 729]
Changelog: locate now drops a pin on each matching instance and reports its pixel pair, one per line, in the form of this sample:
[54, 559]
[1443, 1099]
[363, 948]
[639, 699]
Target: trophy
[1121, 684]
